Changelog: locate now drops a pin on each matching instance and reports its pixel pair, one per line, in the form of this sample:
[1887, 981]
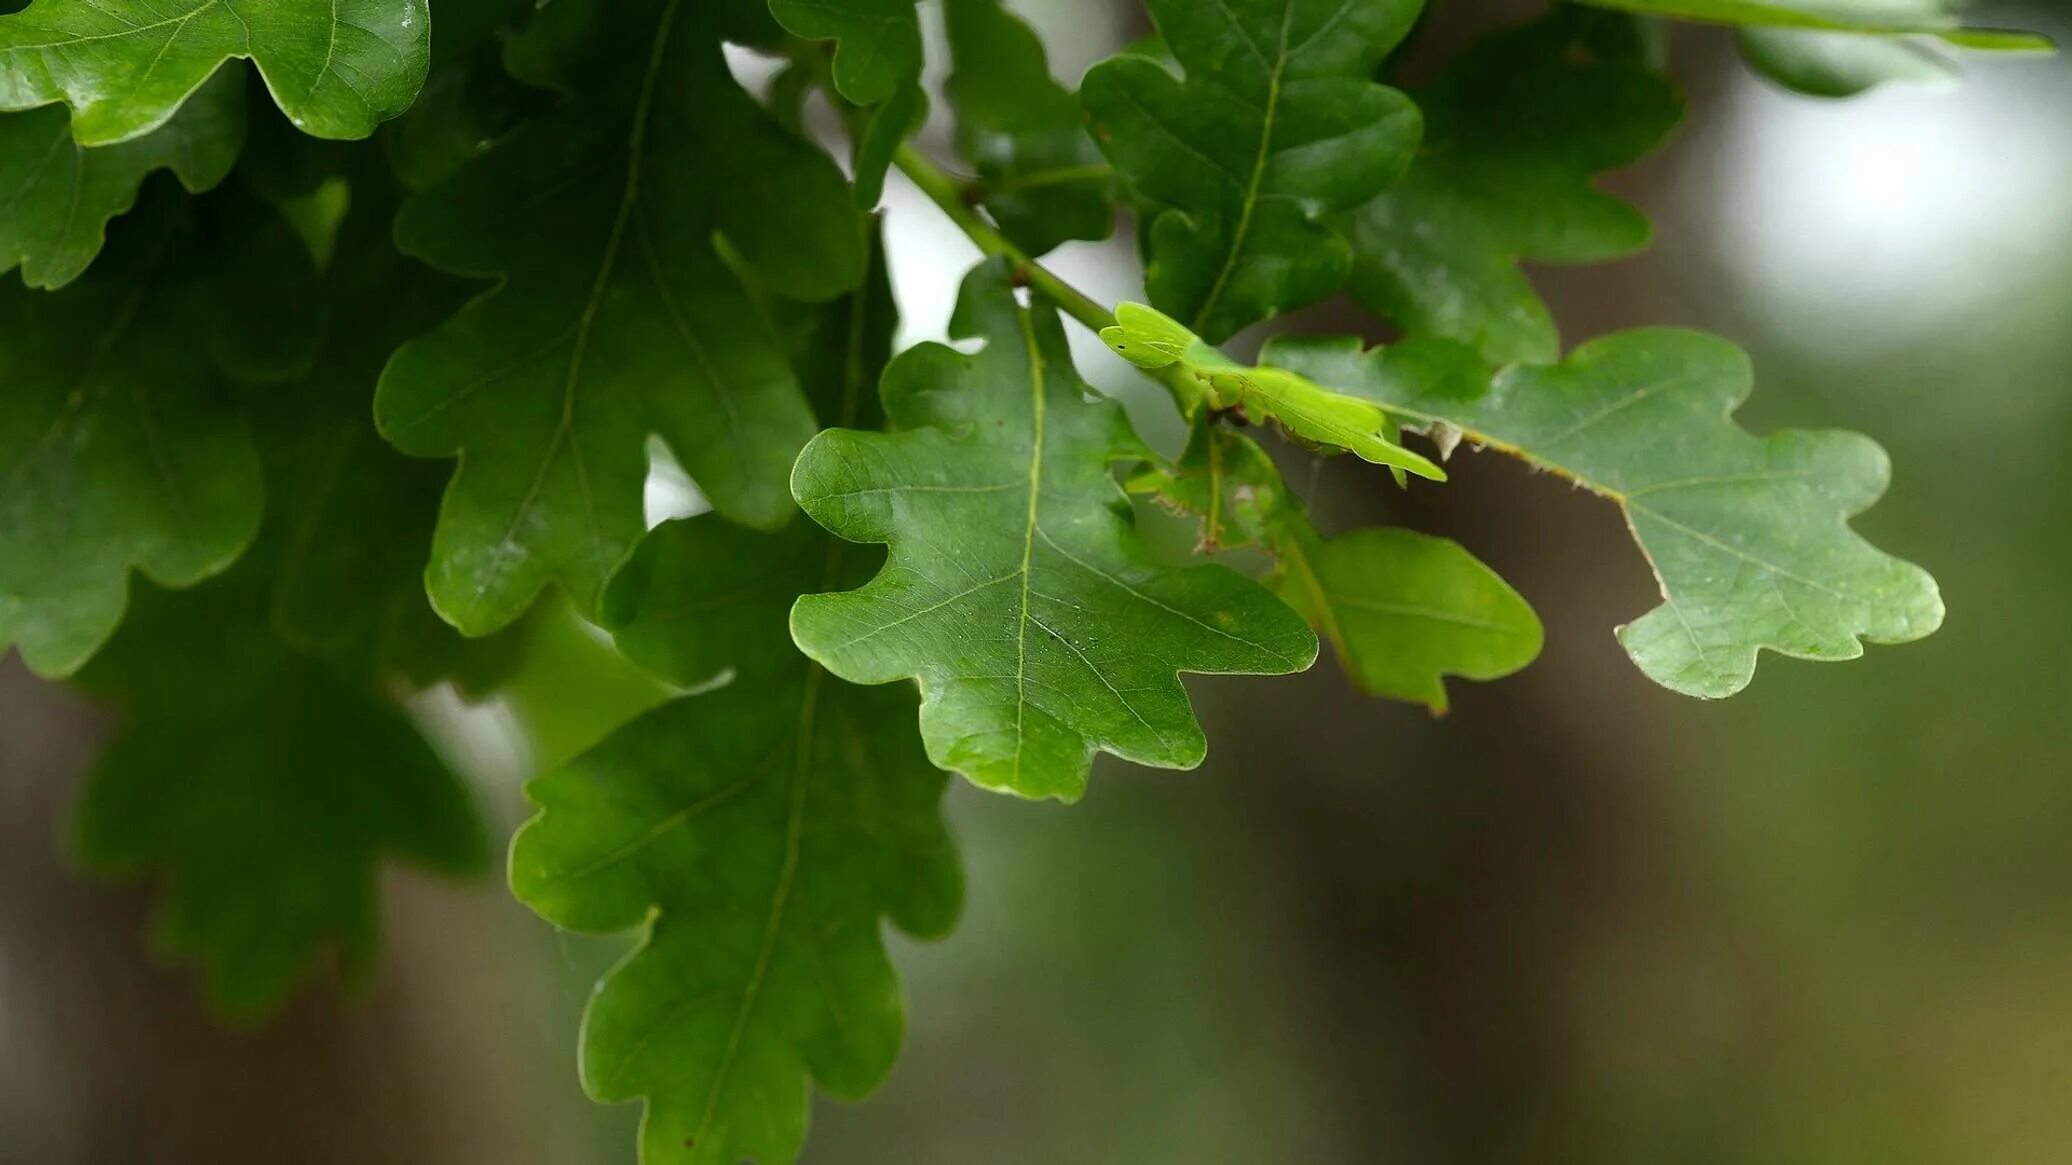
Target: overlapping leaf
[1152, 340]
[617, 317]
[336, 67]
[352, 519]
[1402, 610]
[1040, 176]
[123, 447]
[877, 42]
[63, 194]
[1016, 591]
[759, 832]
[1748, 536]
[1514, 131]
[1276, 125]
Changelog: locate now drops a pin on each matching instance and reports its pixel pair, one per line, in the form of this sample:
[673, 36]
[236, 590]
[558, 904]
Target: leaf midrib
[1259, 159]
[629, 200]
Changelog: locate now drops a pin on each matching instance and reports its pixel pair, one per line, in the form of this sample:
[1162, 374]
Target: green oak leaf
[1514, 130]
[1016, 589]
[63, 194]
[1748, 536]
[265, 797]
[616, 316]
[887, 128]
[877, 42]
[1820, 63]
[469, 100]
[1040, 176]
[1931, 18]
[337, 68]
[1276, 126]
[123, 448]
[755, 834]
[1152, 340]
[1402, 610]
[352, 518]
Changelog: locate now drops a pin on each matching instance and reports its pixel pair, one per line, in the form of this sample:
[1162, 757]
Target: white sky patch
[1882, 215]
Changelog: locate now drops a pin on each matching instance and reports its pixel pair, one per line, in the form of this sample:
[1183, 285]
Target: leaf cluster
[337, 341]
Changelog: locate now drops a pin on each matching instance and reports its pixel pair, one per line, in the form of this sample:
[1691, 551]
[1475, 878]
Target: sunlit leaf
[336, 67]
[1016, 591]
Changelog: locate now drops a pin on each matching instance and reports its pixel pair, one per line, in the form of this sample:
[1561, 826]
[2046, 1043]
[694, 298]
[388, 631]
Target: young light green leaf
[1150, 339]
[1748, 536]
[1276, 125]
[1886, 17]
[1016, 591]
[1840, 64]
[758, 832]
[877, 42]
[337, 68]
[122, 449]
[1040, 176]
[1402, 610]
[1514, 130]
[65, 194]
[616, 316]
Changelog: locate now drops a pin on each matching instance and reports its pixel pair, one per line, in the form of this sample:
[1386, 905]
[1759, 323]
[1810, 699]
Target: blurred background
[1579, 919]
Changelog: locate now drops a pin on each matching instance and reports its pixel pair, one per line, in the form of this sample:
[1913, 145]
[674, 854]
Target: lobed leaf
[616, 315]
[1748, 536]
[1040, 176]
[337, 68]
[877, 42]
[757, 834]
[1275, 126]
[123, 448]
[264, 799]
[65, 194]
[1402, 610]
[1514, 131]
[1016, 591]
